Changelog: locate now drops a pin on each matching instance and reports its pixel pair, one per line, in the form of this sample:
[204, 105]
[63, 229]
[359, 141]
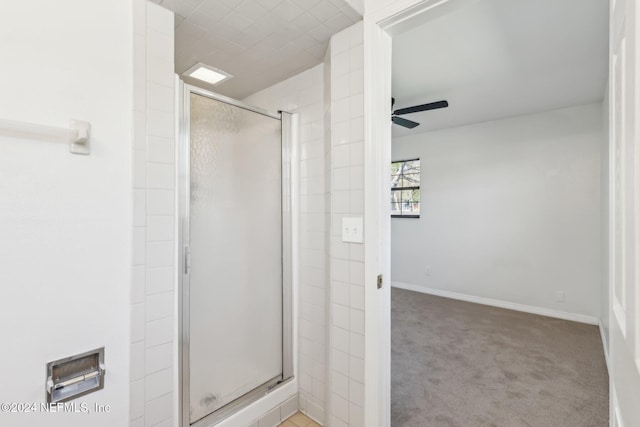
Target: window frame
[412, 187]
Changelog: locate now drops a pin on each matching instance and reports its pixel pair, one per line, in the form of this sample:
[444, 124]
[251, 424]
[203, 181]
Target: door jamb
[379, 27]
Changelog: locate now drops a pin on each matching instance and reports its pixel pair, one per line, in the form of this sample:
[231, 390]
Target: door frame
[278, 389]
[379, 27]
[624, 213]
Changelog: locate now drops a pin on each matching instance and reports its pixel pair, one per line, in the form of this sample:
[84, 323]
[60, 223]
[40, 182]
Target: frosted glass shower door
[235, 245]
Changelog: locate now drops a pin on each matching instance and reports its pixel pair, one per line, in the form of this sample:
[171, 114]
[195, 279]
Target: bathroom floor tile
[299, 420]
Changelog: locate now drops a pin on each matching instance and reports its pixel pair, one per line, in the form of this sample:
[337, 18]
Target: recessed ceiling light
[207, 74]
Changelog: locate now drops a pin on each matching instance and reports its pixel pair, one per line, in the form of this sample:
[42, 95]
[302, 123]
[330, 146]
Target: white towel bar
[77, 135]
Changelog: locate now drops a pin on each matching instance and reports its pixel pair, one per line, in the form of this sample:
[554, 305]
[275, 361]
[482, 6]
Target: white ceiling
[498, 58]
[259, 42]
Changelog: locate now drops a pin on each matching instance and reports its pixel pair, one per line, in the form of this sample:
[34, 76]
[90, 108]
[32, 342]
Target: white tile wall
[304, 94]
[153, 273]
[347, 199]
[331, 288]
[328, 84]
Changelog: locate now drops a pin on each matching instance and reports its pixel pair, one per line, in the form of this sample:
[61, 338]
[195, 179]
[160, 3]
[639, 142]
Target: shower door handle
[186, 259]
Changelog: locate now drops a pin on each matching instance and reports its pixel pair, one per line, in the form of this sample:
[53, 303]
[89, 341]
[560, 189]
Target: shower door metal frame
[288, 122]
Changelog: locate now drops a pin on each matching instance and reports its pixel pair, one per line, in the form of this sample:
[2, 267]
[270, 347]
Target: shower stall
[235, 235]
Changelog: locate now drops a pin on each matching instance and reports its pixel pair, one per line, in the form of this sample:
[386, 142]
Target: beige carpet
[455, 363]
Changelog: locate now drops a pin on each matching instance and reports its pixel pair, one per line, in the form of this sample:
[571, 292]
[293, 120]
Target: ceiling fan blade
[423, 107]
[404, 122]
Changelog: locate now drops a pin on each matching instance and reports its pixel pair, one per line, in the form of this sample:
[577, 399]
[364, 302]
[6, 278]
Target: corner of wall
[346, 260]
[153, 391]
[357, 5]
[305, 94]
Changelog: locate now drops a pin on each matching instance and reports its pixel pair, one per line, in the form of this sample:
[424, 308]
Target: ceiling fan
[415, 109]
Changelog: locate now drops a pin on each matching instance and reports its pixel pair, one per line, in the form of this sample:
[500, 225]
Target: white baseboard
[604, 344]
[591, 320]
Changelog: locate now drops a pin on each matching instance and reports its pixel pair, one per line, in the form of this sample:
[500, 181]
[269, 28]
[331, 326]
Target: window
[405, 189]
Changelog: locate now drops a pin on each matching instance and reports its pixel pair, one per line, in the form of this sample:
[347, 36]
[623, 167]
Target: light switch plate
[352, 230]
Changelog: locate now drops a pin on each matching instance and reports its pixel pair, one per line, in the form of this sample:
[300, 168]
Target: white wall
[510, 210]
[65, 220]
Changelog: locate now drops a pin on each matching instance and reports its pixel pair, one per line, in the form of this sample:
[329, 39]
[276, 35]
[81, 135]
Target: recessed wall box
[75, 376]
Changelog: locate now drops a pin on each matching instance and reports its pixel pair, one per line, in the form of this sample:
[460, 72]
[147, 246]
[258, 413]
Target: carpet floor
[460, 364]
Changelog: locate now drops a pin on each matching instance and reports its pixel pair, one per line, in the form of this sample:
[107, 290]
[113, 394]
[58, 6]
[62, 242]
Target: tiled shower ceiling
[259, 42]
